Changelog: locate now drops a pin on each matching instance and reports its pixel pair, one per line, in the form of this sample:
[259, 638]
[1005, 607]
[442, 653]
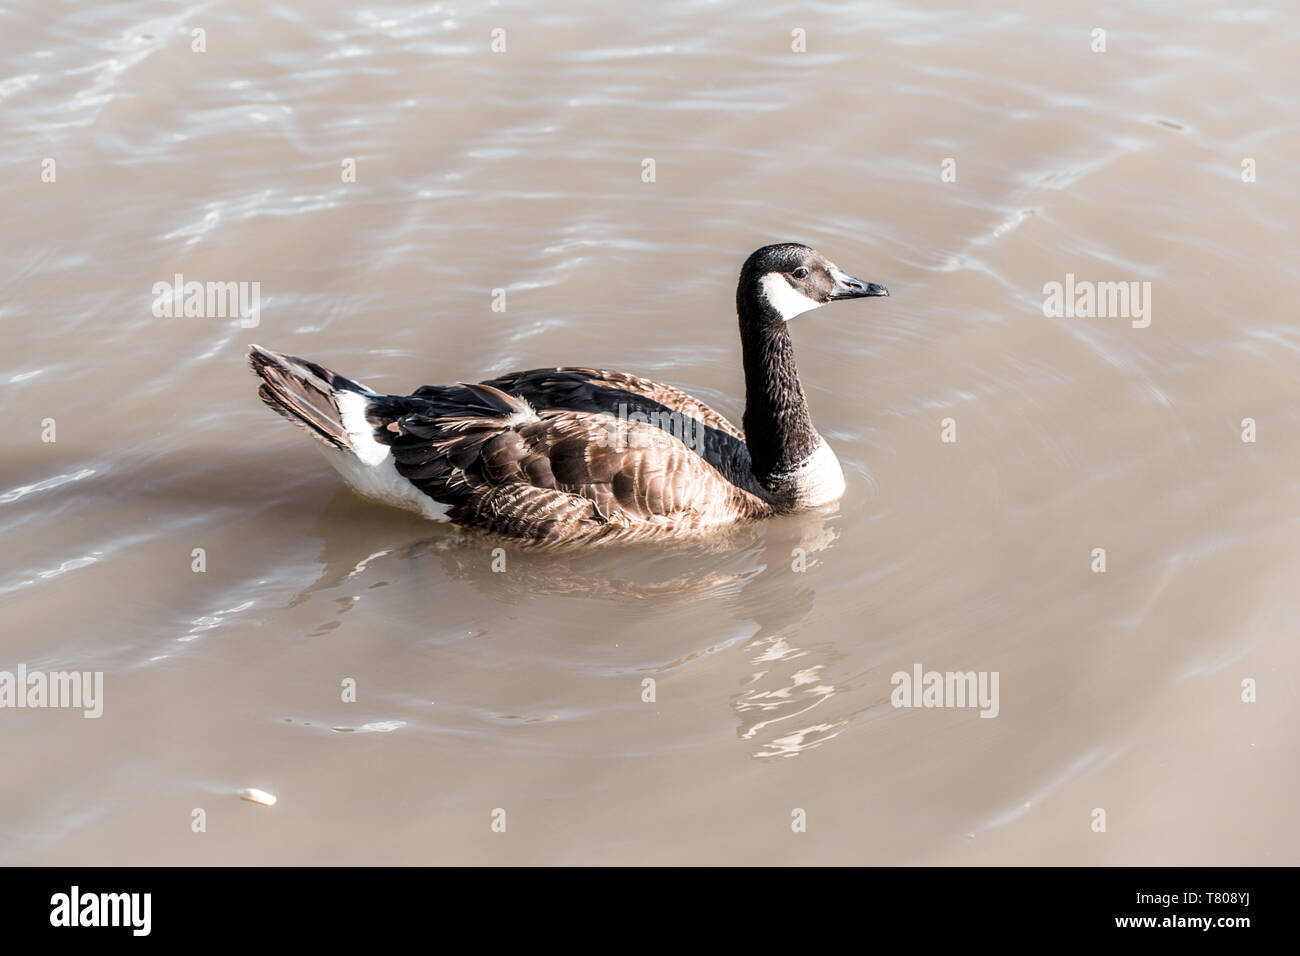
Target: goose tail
[311, 396]
[347, 419]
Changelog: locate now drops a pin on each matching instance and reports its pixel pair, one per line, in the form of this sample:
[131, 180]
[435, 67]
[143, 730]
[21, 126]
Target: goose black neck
[778, 426]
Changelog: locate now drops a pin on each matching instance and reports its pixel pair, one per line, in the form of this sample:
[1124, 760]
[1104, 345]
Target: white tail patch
[361, 434]
[368, 468]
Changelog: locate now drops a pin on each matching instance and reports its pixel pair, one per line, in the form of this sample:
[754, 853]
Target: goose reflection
[762, 576]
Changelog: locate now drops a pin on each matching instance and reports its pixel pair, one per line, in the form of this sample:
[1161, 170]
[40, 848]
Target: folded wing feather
[549, 454]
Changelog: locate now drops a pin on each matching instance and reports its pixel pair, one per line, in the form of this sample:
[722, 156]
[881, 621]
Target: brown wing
[591, 390]
[557, 474]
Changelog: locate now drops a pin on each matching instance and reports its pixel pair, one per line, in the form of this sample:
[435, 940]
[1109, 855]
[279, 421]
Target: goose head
[781, 281]
[790, 461]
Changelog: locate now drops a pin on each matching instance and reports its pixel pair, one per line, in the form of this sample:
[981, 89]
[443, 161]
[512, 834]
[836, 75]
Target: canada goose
[579, 455]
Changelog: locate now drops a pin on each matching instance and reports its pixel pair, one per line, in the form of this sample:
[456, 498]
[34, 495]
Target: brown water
[522, 690]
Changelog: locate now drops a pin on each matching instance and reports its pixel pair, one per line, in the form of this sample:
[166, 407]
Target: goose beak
[847, 287]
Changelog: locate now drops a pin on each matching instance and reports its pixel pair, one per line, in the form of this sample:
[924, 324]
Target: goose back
[572, 455]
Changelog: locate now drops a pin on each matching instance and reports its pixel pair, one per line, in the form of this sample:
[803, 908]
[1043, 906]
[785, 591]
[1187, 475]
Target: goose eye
[801, 273]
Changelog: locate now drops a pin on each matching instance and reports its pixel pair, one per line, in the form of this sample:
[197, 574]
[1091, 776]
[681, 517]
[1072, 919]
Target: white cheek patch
[785, 298]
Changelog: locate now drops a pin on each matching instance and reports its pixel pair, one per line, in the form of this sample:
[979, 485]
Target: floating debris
[253, 795]
[377, 727]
